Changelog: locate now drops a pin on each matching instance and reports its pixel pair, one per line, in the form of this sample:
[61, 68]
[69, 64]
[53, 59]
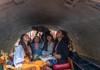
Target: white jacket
[18, 56]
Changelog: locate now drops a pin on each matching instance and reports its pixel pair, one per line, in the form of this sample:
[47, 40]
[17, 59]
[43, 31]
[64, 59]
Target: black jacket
[62, 49]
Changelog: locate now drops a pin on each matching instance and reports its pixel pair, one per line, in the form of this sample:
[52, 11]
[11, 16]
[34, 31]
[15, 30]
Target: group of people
[45, 45]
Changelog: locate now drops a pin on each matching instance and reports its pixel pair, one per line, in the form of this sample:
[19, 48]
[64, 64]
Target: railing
[84, 64]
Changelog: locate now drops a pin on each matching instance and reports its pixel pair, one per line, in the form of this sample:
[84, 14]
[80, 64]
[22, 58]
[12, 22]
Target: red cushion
[62, 66]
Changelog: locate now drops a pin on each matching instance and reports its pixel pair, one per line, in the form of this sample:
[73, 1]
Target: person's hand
[57, 56]
[31, 62]
[23, 62]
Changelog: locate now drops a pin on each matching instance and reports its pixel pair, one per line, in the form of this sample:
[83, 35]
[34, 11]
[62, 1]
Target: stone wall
[4, 1]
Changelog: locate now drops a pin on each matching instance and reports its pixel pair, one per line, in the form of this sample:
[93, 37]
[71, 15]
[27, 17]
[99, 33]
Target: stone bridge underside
[82, 22]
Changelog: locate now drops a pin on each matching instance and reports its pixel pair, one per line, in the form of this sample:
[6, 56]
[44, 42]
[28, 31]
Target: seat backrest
[71, 63]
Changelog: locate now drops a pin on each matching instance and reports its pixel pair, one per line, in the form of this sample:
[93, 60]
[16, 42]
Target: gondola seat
[65, 66]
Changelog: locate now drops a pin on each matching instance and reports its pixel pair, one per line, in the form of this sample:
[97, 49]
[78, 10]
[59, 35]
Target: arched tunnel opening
[80, 19]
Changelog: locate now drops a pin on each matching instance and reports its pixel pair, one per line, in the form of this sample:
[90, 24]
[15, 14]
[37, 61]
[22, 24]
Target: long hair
[44, 35]
[45, 46]
[25, 46]
[65, 37]
[33, 41]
